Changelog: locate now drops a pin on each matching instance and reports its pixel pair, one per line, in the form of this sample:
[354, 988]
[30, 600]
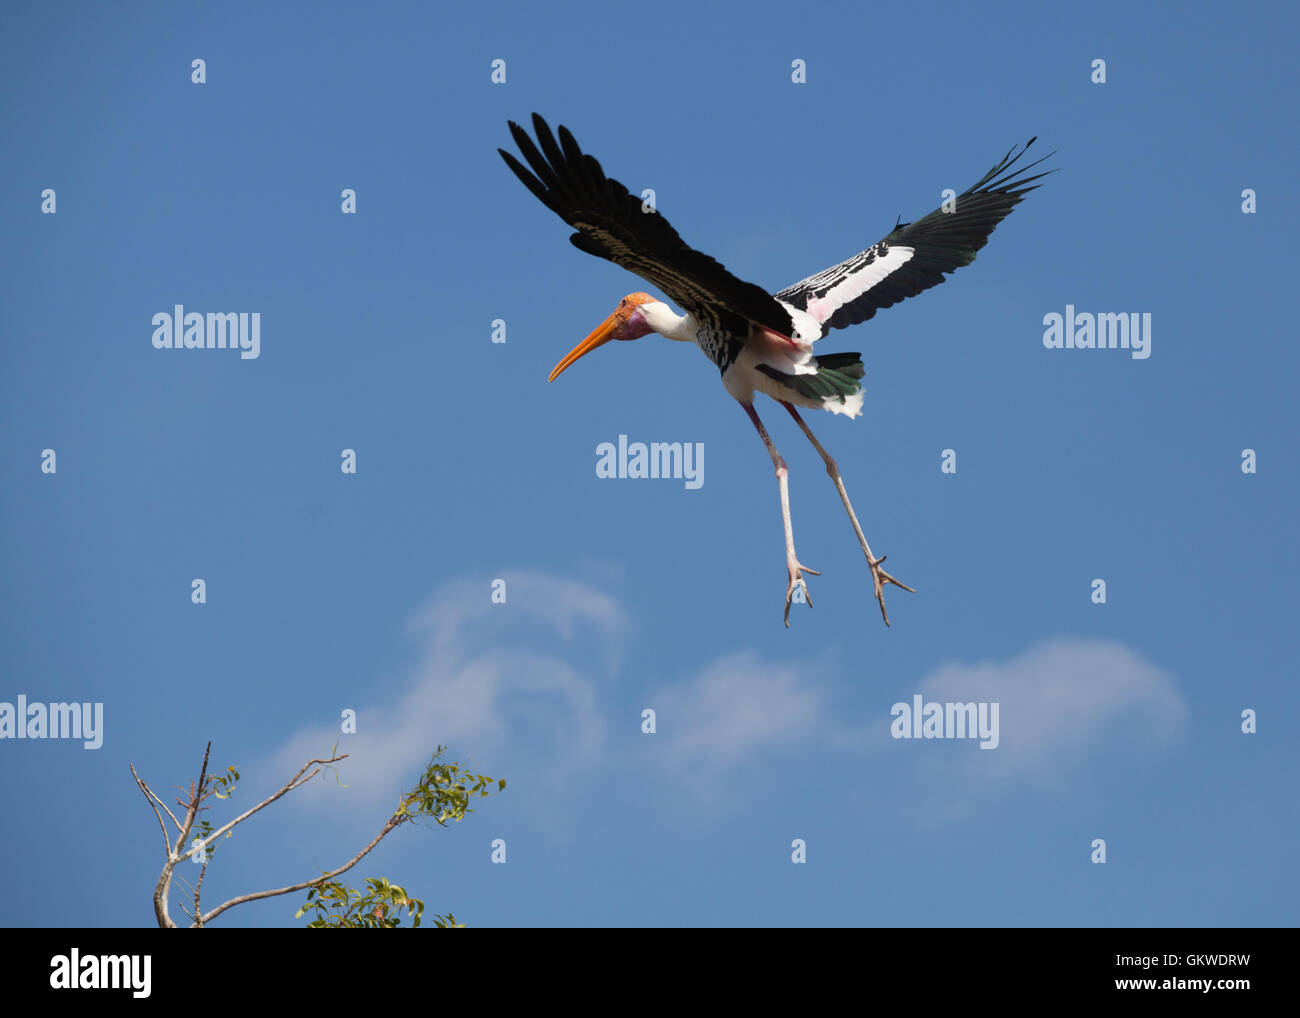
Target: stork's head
[630, 320]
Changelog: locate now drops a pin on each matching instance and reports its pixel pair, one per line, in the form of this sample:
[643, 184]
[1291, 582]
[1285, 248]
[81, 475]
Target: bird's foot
[880, 577]
[796, 572]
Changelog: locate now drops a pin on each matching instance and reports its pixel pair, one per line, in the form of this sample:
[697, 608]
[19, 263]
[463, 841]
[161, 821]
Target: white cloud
[736, 706]
[520, 691]
[491, 685]
[1060, 701]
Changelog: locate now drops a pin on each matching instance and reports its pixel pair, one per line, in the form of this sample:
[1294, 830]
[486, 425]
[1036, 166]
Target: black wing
[915, 256]
[611, 224]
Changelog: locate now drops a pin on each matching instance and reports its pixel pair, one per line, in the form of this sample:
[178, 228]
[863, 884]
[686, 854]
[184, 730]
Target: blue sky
[325, 591]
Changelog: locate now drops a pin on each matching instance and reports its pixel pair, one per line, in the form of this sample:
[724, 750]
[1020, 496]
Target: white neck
[660, 317]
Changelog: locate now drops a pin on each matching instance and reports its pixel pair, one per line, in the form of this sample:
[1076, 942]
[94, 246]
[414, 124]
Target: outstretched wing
[915, 256]
[611, 224]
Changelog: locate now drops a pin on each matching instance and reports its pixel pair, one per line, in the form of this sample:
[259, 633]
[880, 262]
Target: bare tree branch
[192, 810]
[288, 787]
[427, 796]
[193, 804]
[198, 889]
[164, 805]
[163, 887]
[393, 822]
[149, 797]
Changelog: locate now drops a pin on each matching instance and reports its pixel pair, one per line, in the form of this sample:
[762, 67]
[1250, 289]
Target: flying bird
[761, 342]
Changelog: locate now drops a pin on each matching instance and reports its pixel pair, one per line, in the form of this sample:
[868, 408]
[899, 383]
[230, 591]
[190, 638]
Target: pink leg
[793, 568]
[878, 575]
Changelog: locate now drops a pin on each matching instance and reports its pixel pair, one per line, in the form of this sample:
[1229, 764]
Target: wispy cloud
[493, 683]
[523, 690]
[737, 706]
[1062, 699]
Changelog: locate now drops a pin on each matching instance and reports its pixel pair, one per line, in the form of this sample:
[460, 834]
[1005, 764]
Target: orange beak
[603, 334]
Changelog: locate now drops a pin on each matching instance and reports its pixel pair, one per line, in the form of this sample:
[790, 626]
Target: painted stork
[761, 342]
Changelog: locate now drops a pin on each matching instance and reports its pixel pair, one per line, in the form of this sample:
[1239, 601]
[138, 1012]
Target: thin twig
[166, 807]
[148, 797]
[289, 787]
[192, 810]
